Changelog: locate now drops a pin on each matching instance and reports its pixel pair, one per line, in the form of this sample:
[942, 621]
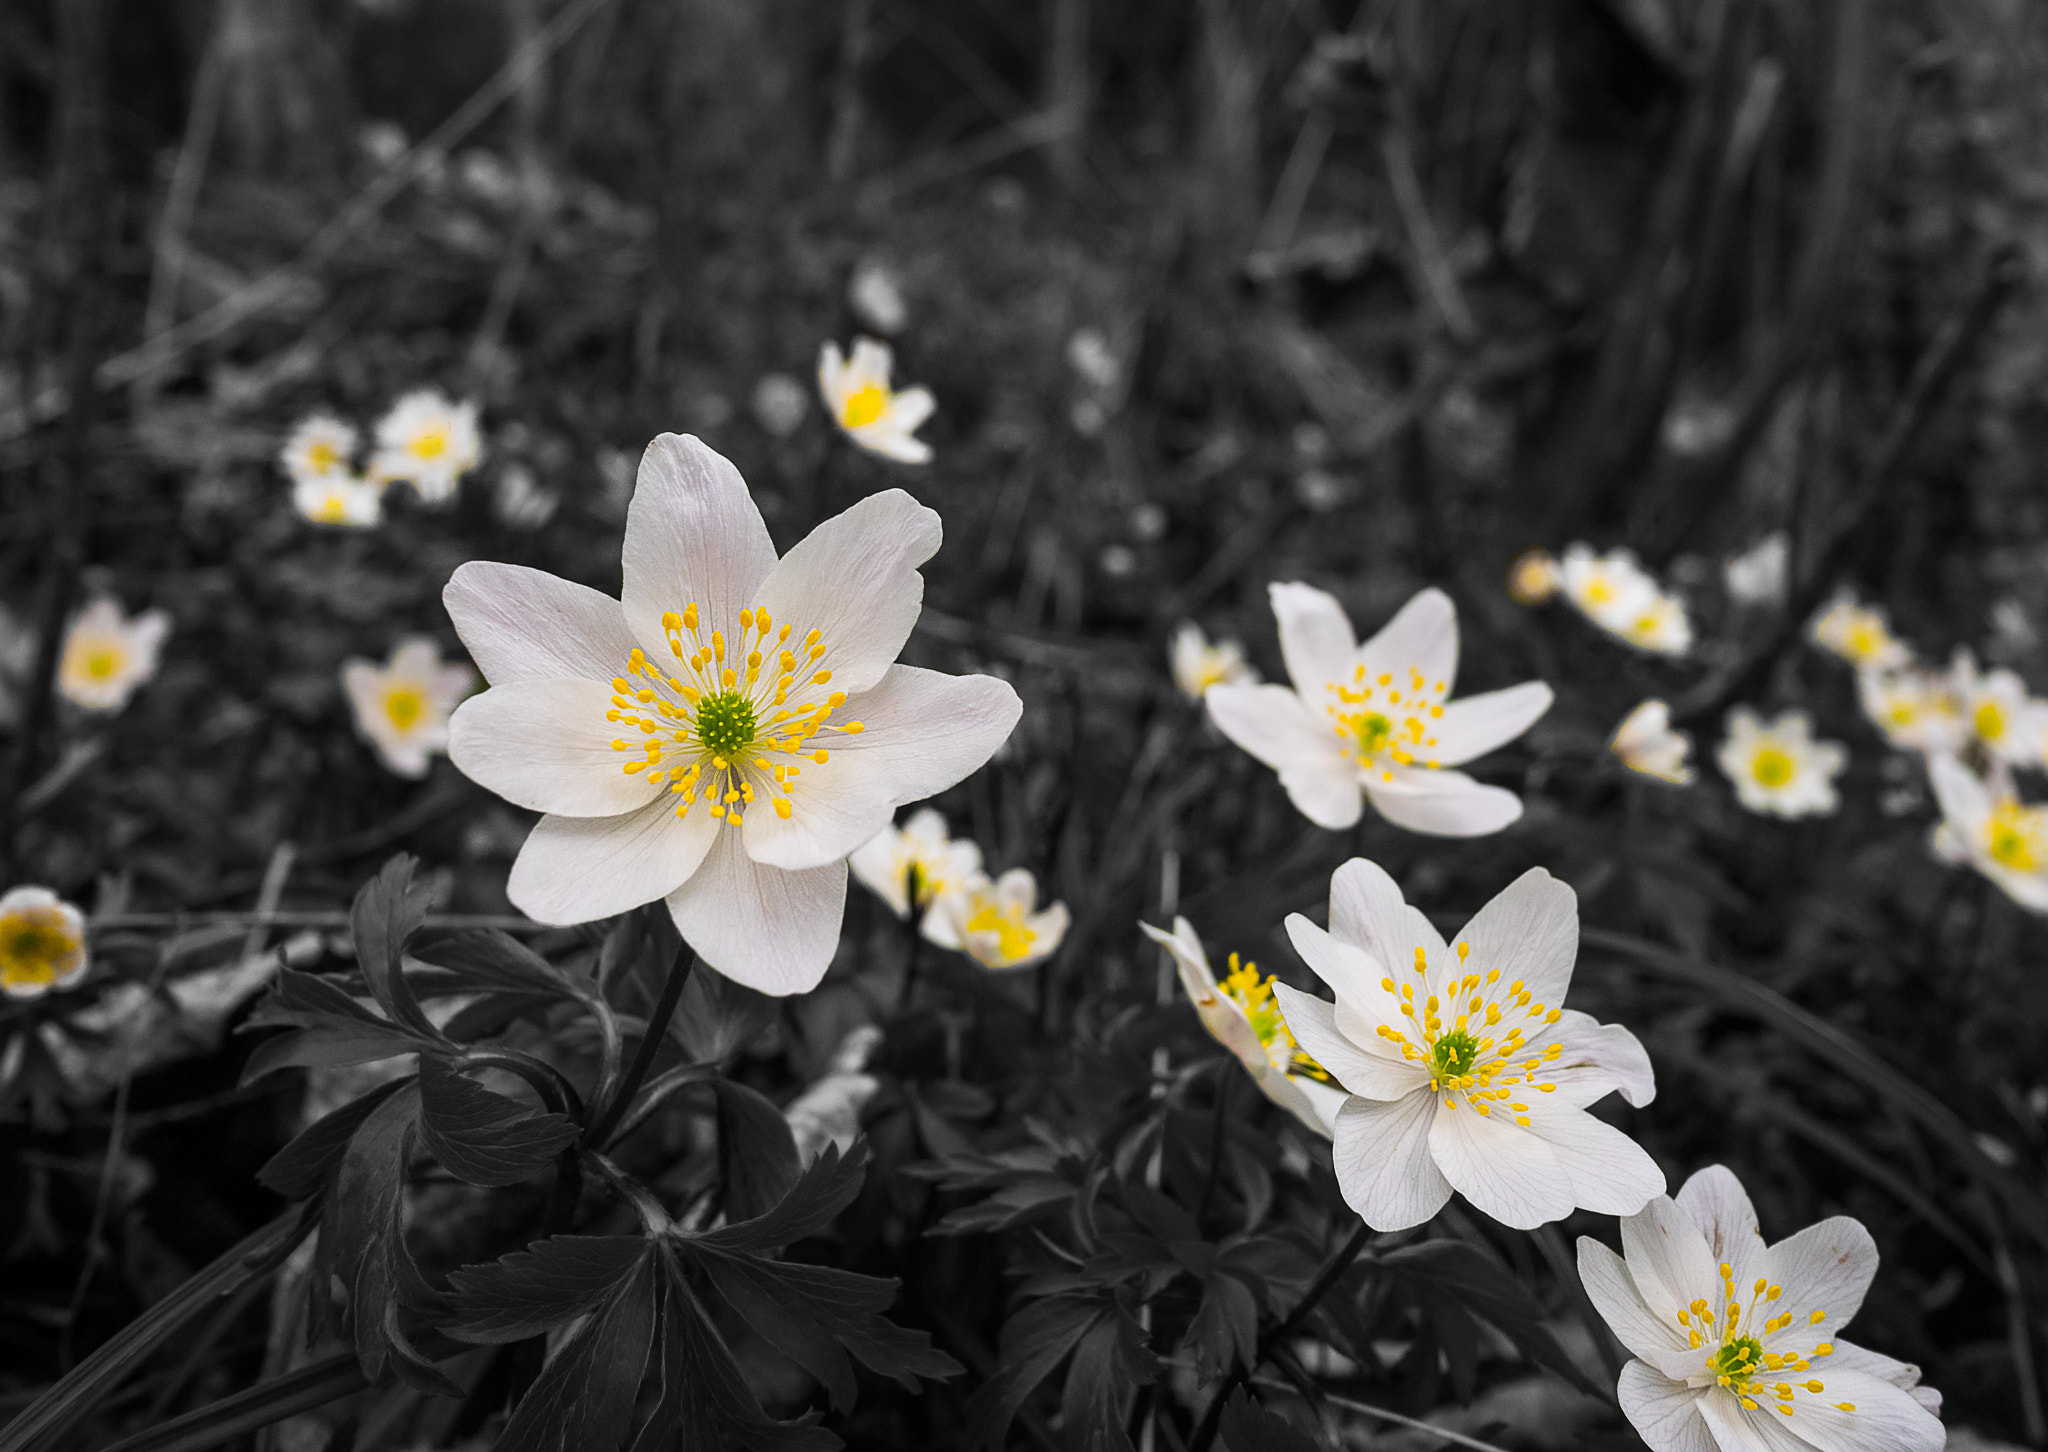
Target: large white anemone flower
[912, 867]
[106, 655]
[1777, 768]
[1243, 1016]
[873, 414]
[724, 736]
[1735, 1341]
[429, 442]
[1375, 720]
[1464, 1071]
[1992, 831]
[402, 707]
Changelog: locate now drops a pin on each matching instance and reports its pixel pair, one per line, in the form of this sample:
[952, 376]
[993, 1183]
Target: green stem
[650, 1048]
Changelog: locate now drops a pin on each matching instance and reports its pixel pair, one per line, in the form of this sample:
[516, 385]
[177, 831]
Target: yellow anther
[1816, 1318]
[671, 621]
[854, 727]
[821, 678]
[690, 616]
[781, 807]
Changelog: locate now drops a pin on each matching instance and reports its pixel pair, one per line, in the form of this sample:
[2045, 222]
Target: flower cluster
[1612, 591]
[424, 440]
[918, 868]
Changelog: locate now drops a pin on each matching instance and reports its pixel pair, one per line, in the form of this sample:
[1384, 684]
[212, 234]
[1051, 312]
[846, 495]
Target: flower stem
[650, 1047]
[1332, 1270]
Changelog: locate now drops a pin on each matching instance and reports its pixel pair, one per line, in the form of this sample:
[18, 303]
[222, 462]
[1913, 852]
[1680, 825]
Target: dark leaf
[389, 910]
[327, 1046]
[1110, 1363]
[299, 1169]
[584, 1398]
[756, 1151]
[490, 962]
[826, 1188]
[1225, 1330]
[718, 1017]
[307, 998]
[1247, 1427]
[1034, 1341]
[548, 1284]
[1432, 1269]
[364, 1241]
[480, 1135]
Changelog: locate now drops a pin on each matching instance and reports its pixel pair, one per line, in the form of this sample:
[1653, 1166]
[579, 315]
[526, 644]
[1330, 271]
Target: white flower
[1464, 1071]
[1646, 743]
[106, 655]
[724, 737]
[994, 922]
[1534, 577]
[1858, 634]
[344, 499]
[1660, 628]
[42, 942]
[520, 501]
[857, 392]
[1992, 831]
[1619, 596]
[828, 1112]
[1243, 1016]
[915, 866]
[320, 447]
[1375, 720]
[1198, 665]
[403, 706]
[1779, 768]
[1916, 709]
[779, 404]
[1735, 1341]
[429, 442]
[877, 298]
[1758, 576]
[2004, 721]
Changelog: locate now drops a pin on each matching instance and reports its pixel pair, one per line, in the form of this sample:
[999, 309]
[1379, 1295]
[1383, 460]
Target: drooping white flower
[1916, 709]
[1646, 743]
[344, 499]
[1619, 596]
[429, 442]
[1198, 665]
[1534, 577]
[42, 943]
[2004, 722]
[1736, 1342]
[1778, 768]
[1991, 830]
[876, 417]
[320, 446]
[724, 737]
[1858, 634]
[1375, 720]
[1243, 1016]
[1464, 1070]
[106, 655]
[913, 867]
[1759, 575]
[997, 924]
[403, 706]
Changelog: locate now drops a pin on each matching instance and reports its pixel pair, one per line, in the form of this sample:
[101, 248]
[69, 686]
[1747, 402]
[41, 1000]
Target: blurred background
[1212, 294]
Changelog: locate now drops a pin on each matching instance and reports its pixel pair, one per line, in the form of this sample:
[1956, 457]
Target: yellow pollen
[864, 405]
[1772, 767]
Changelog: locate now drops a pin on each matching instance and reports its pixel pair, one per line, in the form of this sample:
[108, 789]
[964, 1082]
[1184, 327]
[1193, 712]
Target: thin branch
[650, 1048]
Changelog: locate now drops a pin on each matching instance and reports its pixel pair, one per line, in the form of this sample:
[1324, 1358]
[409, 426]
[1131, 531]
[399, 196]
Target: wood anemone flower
[727, 733]
[402, 707]
[873, 414]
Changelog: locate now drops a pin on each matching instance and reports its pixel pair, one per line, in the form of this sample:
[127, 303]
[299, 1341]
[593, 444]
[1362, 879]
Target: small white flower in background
[403, 706]
[1760, 574]
[727, 691]
[1374, 721]
[1090, 356]
[1735, 1341]
[383, 142]
[1463, 1069]
[829, 1110]
[911, 867]
[1646, 743]
[341, 499]
[1243, 1016]
[996, 923]
[1198, 665]
[520, 501]
[42, 943]
[876, 298]
[1660, 628]
[1915, 708]
[1619, 596]
[779, 405]
[1778, 768]
[107, 655]
[873, 415]
[320, 446]
[1859, 634]
[1985, 825]
[1534, 577]
[429, 442]
[2003, 720]
[2009, 624]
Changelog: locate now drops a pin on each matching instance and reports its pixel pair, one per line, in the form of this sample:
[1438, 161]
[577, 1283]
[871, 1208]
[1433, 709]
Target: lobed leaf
[825, 1188]
[387, 912]
[756, 1151]
[480, 1135]
[548, 1284]
[299, 1169]
[584, 1398]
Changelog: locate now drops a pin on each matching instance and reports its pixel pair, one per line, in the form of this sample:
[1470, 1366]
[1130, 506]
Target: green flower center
[1453, 1055]
[1373, 730]
[725, 723]
[1737, 1358]
[1772, 767]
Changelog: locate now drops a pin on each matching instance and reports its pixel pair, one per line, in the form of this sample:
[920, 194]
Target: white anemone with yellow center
[724, 736]
[1198, 665]
[429, 442]
[1376, 721]
[1244, 1016]
[1916, 709]
[862, 403]
[911, 867]
[1985, 825]
[403, 706]
[1737, 1344]
[42, 942]
[1777, 768]
[106, 655]
[320, 446]
[1645, 742]
[2003, 720]
[1610, 589]
[348, 500]
[998, 924]
[1464, 1070]
[1859, 634]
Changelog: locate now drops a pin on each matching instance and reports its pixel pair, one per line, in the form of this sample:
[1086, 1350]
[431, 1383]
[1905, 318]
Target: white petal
[1826, 1267]
[1885, 1418]
[1668, 1259]
[877, 864]
[1597, 1059]
[1220, 1014]
[1610, 1173]
[1271, 723]
[1736, 1430]
[1665, 1413]
[1369, 1075]
[924, 731]
[1964, 799]
[692, 534]
[520, 624]
[1476, 725]
[772, 930]
[1423, 635]
[1503, 1169]
[579, 869]
[1366, 908]
[1441, 803]
[1352, 973]
[887, 438]
[1718, 1204]
[910, 408]
[545, 745]
[1319, 1103]
[1847, 1356]
[1530, 931]
[1315, 638]
[1381, 1156]
[1613, 1294]
[854, 579]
